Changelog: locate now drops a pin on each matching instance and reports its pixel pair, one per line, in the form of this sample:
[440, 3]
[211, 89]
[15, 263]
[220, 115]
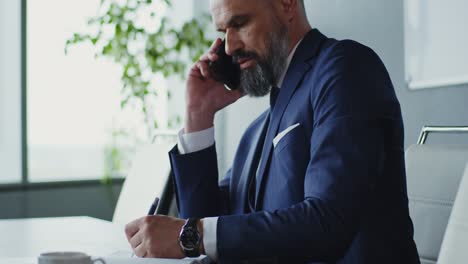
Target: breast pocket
[287, 170]
[293, 136]
[291, 153]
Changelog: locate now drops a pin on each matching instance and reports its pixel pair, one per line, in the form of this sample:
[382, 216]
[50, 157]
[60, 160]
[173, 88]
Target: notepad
[122, 260]
[123, 257]
[199, 260]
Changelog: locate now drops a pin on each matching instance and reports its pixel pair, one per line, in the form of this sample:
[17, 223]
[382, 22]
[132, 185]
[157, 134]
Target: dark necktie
[251, 193]
[273, 96]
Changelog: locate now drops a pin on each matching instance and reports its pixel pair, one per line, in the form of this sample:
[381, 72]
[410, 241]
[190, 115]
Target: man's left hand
[155, 236]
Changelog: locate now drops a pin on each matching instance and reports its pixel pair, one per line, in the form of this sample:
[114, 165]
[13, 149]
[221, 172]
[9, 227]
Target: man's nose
[233, 43]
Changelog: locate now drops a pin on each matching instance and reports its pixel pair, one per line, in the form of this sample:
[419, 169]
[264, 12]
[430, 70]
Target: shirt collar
[288, 62]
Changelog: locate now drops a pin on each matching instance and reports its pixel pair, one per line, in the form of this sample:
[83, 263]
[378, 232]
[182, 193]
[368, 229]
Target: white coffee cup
[67, 258]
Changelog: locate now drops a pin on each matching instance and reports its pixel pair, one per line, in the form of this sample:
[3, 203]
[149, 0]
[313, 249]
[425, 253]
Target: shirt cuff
[210, 225]
[196, 141]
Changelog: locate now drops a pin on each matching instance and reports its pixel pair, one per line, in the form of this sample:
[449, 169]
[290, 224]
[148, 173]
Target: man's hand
[204, 95]
[155, 236]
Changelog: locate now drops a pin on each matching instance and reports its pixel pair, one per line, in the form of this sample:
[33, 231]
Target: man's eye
[239, 24]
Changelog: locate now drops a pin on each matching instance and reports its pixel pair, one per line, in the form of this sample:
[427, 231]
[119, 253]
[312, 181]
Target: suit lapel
[307, 49]
[251, 163]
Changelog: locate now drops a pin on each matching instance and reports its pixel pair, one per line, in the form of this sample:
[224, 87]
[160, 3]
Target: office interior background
[70, 103]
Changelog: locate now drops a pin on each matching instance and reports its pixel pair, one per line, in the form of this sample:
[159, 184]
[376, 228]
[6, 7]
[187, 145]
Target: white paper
[135, 260]
[121, 260]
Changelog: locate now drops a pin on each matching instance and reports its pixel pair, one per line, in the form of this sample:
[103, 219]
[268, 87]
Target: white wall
[10, 91]
[380, 25]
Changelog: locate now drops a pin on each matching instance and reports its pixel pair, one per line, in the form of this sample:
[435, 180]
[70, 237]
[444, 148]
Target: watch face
[190, 238]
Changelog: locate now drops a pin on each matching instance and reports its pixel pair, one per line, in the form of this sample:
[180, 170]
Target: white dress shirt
[196, 141]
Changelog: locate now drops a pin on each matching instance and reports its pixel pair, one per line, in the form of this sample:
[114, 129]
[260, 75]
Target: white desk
[30, 237]
[22, 240]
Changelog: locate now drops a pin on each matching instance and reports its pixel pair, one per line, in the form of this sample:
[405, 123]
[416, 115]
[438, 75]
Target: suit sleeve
[197, 190]
[346, 153]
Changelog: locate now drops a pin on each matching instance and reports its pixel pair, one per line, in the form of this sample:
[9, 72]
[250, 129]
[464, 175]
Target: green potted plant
[143, 50]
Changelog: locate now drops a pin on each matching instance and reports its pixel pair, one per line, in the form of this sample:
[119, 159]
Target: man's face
[256, 38]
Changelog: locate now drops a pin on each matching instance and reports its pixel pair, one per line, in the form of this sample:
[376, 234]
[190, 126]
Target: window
[72, 99]
[10, 91]
[74, 116]
[64, 109]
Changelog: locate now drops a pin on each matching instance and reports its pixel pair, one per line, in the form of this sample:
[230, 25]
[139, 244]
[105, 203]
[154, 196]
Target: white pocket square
[283, 133]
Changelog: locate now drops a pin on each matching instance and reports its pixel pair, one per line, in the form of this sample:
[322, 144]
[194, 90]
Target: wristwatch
[190, 238]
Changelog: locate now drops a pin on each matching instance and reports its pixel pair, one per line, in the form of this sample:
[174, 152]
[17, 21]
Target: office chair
[149, 177]
[454, 250]
[433, 175]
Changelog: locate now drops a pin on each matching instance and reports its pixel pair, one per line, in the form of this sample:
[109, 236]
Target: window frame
[24, 123]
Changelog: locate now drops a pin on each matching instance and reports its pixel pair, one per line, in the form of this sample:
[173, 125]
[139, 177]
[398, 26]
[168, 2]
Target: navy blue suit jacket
[333, 189]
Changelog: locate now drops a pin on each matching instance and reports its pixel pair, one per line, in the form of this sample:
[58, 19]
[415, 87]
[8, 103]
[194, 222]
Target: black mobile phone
[225, 69]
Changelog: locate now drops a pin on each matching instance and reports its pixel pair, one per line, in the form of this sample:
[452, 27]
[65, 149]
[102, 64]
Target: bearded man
[319, 177]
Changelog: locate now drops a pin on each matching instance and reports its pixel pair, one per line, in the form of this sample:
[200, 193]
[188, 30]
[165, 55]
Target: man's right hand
[204, 95]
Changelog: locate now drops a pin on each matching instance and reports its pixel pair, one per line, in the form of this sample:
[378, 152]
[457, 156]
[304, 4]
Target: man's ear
[289, 8]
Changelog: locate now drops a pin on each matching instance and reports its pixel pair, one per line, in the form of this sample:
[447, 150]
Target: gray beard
[257, 81]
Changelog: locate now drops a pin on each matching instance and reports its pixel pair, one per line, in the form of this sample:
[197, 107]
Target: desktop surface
[23, 240]
[30, 237]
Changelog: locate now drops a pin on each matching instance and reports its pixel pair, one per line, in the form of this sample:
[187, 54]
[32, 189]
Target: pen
[154, 206]
[152, 211]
